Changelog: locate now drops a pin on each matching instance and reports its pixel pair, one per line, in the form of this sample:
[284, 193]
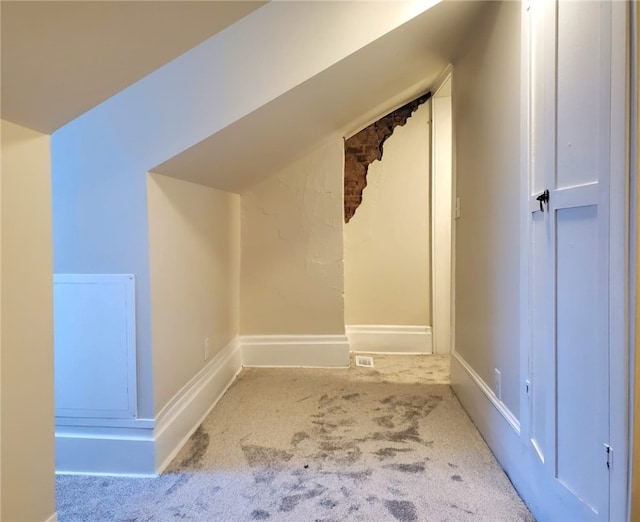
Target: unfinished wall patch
[361, 149]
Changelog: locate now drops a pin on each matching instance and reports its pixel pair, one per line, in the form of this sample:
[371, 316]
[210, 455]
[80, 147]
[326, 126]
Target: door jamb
[442, 322]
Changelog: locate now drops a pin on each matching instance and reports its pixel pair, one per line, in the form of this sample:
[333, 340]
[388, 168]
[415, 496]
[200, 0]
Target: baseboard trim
[488, 392]
[390, 339]
[145, 447]
[499, 432]
[52, 518]
[302, 351]
[182, 415]
[91, 450]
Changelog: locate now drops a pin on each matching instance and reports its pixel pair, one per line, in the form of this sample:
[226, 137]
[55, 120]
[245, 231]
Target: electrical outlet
[497, 383]
[207, 353]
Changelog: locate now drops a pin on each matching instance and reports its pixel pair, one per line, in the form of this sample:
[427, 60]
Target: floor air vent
[362, 360]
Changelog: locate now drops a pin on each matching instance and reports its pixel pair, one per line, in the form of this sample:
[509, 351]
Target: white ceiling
[366, 85]
[60, 59]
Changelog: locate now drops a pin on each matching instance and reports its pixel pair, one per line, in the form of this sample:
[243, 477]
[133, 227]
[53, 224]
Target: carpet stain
[264, 456]
[355, 476]
[264, 476]
[181, 481]
[328, 503]
[402, 510]
[260, 514]
[389, 453]
[417, 467]
[298, 437]
[199, 443]
[290, 502]
[456, 478]
[409, 434]
[385, 421]
[340, 450]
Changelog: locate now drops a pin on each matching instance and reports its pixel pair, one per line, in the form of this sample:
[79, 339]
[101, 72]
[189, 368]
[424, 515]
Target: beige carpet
[388, 443]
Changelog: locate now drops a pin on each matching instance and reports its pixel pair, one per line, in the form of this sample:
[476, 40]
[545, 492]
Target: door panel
[582, 387]
[540, 338]
[579, 76]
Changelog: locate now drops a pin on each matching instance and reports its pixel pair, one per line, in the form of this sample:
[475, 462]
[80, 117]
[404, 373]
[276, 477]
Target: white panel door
[569, 255]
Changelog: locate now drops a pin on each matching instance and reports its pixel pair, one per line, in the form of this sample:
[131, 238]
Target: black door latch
[543, 198]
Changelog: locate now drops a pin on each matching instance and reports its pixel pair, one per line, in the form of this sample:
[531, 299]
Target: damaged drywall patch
[361, 149]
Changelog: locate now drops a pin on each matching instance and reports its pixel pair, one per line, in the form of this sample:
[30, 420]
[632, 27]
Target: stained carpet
[390, 443]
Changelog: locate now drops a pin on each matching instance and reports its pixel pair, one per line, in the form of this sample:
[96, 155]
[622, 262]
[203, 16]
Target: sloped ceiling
[371, 82]
[60, 59]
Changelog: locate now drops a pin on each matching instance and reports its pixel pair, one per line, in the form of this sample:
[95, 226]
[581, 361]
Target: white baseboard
[305, 351]
[105, 451]
[487, 391]
[52, 518]
[500, 430]
[188, 408]
[391, 339]
[144, 447]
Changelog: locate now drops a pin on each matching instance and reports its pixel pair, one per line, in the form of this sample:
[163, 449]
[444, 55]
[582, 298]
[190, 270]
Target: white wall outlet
[207, 352]
[497, 383]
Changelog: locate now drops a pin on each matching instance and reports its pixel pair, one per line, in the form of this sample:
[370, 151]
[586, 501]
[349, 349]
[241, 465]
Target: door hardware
[543, 198]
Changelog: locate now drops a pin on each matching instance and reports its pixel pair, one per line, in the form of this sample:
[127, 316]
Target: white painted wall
[194, 256]
[292, 269]
[386, 244]
[486, 97]
[28, 489]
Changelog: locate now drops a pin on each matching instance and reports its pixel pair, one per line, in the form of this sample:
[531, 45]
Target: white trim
[498, 433]
[303, 351]
[104, 451]
[392, 339]
[508, 447]
[105, 423]
[526, 14]
[620, 371]
[500, 406]
[52, 518]
[442, 192]
[143, 448]
[182, 415]
[633, 244]
[445, 75]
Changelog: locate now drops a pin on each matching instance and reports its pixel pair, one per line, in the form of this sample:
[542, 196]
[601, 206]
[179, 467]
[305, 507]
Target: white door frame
[442, 186]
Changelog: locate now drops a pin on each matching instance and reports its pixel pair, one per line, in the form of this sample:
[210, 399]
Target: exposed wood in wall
[361, 149]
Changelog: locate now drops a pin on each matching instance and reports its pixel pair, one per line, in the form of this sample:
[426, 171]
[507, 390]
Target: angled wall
[194, 246]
